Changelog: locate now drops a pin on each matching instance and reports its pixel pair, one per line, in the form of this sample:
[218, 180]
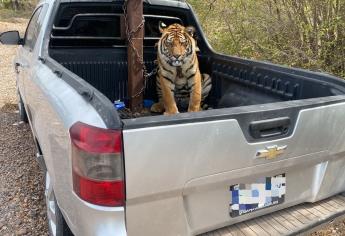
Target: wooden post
[135, 70]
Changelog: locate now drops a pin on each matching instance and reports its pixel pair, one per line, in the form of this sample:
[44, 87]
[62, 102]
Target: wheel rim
[51, 207]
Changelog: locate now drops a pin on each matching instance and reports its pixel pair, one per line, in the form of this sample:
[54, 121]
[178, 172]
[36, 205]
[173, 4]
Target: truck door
[27, 54]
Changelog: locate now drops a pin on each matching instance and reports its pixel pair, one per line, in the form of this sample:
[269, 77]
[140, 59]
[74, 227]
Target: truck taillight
[97, 165]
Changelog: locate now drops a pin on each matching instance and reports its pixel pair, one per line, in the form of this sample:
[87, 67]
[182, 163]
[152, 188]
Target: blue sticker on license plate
[265, 192]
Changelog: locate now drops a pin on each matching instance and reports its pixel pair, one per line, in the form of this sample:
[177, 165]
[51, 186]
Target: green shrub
[301, 33]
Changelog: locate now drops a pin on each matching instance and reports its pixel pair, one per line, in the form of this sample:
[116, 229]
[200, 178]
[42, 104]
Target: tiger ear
[190, 30]
[161, 26]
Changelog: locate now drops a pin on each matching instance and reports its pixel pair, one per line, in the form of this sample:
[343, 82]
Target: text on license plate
[265, 192]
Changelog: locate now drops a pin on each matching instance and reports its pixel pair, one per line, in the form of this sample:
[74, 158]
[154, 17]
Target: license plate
[264, 192]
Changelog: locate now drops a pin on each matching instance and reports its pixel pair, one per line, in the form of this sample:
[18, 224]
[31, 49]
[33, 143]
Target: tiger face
[177, 44]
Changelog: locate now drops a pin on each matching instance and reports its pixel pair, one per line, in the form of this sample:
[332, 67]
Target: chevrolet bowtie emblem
[271, 152]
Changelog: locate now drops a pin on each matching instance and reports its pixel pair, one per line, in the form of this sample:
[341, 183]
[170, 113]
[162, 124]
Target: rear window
[93, 24]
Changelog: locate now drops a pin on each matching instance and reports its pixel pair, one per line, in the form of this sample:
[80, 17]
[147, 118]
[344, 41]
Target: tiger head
[177, 45]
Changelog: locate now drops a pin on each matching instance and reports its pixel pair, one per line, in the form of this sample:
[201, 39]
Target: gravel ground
[334, 229]
[22, 205]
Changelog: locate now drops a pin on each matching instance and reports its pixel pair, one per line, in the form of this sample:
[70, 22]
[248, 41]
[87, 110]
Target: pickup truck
[273, 139]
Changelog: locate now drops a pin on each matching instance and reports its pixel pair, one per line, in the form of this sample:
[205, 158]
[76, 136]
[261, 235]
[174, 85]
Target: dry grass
[7, 54]
[7, 15]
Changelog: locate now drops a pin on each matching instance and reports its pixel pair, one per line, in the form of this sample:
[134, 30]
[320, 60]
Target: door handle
[270, 128]
[20, 64]
[16, 67]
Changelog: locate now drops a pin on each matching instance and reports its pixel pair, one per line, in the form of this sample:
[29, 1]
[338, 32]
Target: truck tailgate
[182, 178]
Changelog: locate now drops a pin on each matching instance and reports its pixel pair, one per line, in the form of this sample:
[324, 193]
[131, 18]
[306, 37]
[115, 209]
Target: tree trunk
[135, 54]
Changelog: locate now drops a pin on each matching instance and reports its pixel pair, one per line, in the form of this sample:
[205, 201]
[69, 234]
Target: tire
[56, 223]
[22, 112]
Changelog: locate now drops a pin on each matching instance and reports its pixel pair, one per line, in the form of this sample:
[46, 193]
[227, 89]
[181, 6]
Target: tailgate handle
[270, 128]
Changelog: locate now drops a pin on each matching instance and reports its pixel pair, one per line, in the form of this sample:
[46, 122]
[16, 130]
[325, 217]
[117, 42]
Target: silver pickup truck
[272, 138]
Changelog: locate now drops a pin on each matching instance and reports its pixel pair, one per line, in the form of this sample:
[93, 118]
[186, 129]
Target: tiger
[179, 80]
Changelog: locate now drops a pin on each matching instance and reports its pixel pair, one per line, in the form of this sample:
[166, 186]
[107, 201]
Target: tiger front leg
[168, 97]
[195, 95]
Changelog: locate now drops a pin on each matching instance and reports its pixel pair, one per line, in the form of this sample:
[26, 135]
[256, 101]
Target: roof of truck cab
[171, 3]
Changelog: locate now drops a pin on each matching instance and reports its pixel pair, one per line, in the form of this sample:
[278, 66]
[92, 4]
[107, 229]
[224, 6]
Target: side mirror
[10, 38]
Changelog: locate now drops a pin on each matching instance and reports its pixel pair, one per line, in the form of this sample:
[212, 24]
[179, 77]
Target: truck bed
[99, 57]
[236, 82]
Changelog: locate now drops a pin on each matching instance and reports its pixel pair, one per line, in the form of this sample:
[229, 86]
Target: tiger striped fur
[179, 78]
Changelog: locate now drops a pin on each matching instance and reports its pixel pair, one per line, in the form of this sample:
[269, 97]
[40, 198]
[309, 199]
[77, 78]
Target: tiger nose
[177, 56]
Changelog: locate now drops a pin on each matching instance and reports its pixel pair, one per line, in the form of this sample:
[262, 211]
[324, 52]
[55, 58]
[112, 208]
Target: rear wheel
[56, 224]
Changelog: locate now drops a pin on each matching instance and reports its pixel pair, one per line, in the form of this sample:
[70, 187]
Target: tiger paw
[157, 108]
[171, 110]
[171, 113]
[194, 109]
